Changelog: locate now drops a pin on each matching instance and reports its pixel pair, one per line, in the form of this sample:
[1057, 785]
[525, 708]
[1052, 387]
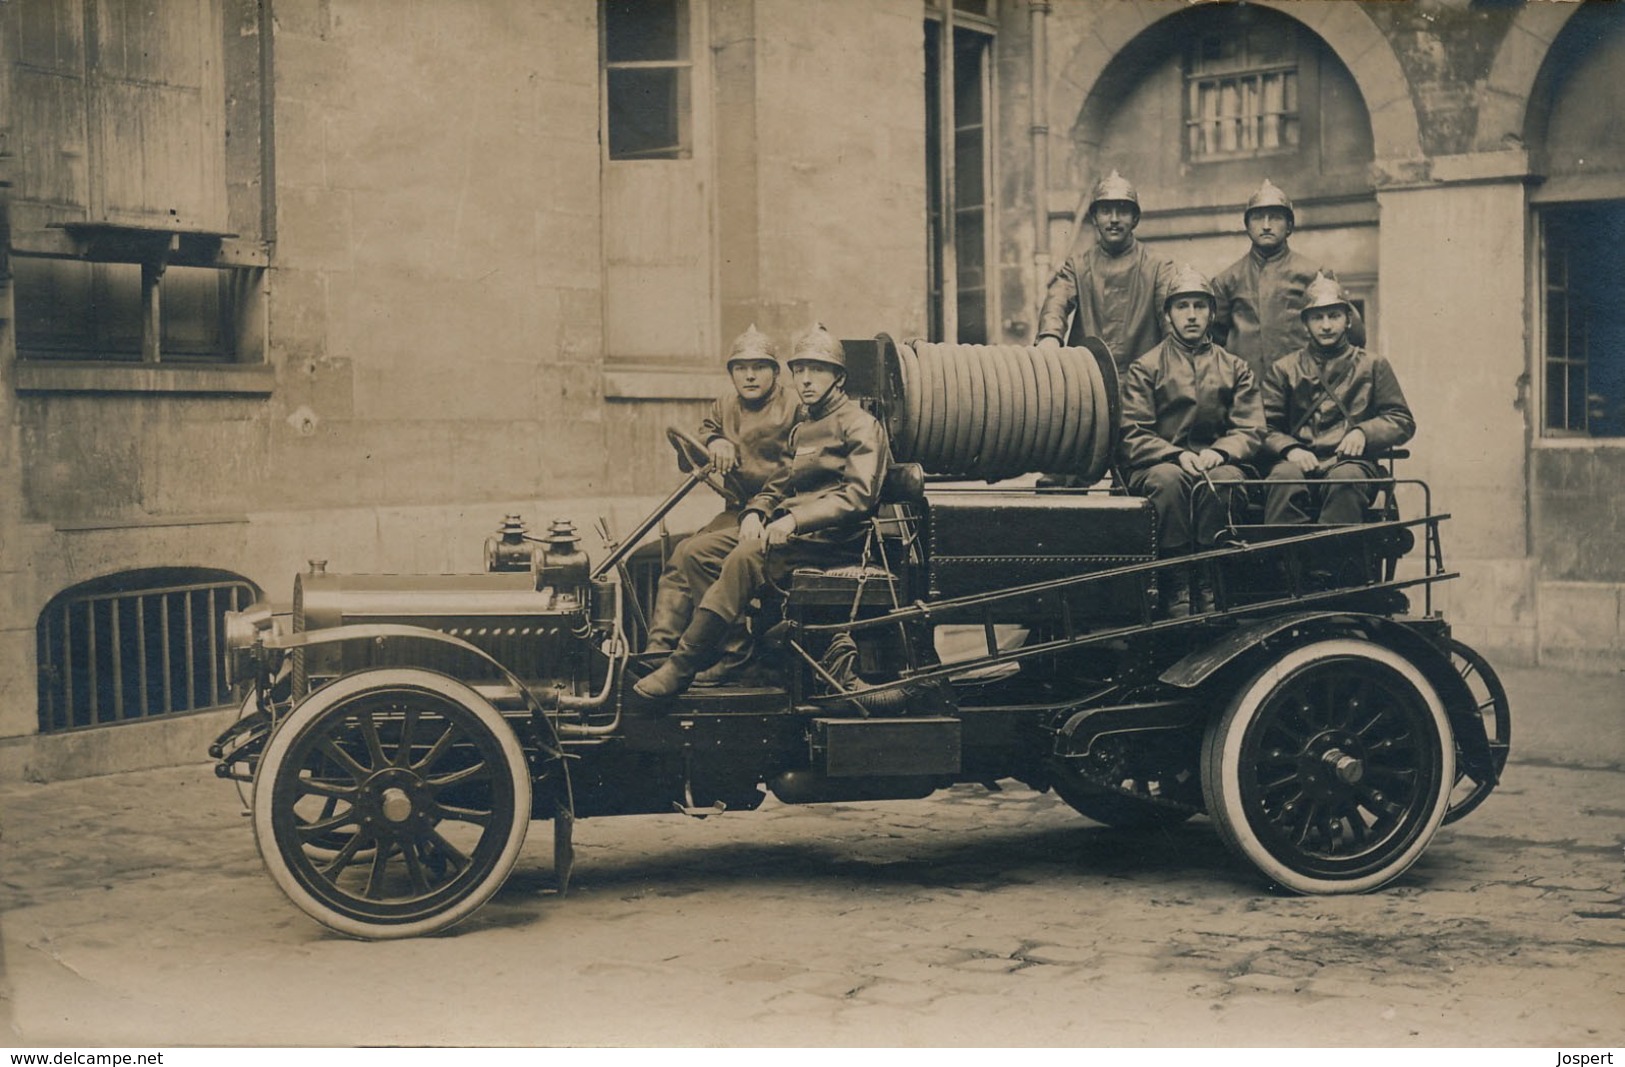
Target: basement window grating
[134, 646]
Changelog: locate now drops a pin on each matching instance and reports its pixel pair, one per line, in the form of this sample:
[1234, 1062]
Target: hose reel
[996, 411]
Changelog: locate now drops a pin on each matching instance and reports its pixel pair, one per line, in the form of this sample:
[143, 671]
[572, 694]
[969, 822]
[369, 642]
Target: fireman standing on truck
[1258, 297]
[747, 433]
[813, 513]
[1327, 408]
[1113, 289]
[1191, 416]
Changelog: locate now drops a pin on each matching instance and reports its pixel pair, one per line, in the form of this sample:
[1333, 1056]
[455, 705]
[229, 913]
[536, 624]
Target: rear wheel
[391, 803]
[1490, 698]
[1132, 781]
[1116, 810]
[1331, 770]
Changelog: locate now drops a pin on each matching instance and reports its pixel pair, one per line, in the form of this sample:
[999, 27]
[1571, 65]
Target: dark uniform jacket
[1257, 304]
[1116, 298]
[1178, 399]
[838, 461]
[760, 432]
[1311, 402]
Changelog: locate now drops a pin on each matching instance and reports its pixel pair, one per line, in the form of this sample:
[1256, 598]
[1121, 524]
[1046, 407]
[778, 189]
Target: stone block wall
[433, 315]
[841, 165]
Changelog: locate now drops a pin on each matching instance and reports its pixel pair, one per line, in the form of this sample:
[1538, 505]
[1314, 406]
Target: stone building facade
[354, 278]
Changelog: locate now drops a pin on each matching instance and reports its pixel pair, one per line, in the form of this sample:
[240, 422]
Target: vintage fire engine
[399, 733]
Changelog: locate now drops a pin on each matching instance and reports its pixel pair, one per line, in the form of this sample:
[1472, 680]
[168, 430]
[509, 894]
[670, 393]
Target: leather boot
[736, 652]
[699, 647]
[668, 617]
[1176, 592]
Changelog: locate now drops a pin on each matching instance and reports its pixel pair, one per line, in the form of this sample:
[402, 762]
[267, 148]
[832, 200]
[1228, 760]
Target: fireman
[1328, 408]
[1258, 297]
[813, 513]
[1191, 416]
[747, 433]
[1115, 288]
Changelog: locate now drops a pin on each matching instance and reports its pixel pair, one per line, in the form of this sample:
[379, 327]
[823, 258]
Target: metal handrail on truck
[981, 605]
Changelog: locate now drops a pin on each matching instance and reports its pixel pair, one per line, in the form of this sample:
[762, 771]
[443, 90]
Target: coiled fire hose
[996, 411]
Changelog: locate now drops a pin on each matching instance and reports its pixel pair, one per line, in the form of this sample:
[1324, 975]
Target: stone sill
[1601, 444]
[97, 377]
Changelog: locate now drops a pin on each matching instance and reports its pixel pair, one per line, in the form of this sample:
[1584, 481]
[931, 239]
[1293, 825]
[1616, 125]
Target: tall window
[1582, 289]
[1241, 95]
[648, 83]
[657, 225]
[958, 107]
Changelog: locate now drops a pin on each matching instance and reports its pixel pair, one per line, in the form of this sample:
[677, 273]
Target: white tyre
[391, 803]
[1331, 769]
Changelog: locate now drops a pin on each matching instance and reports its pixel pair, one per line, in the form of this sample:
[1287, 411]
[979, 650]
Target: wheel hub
[1348, 769]
[1330, 764]
[391, 798]
[396, 806]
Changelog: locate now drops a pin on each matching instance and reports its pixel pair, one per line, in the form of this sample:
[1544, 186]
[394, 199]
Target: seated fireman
[1191, 414]
[1327, 407]
[811, 514]
[747, 433]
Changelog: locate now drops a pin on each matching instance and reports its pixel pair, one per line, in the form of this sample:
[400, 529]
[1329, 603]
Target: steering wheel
[693, 456]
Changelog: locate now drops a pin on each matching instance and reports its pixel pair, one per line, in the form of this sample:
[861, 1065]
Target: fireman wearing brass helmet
[1258, 297]
[813, 513]
[1191, 415]
[1113, 289]
[1328, 408]
[747, 433]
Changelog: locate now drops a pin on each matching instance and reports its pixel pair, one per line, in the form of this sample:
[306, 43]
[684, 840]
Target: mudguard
[541, 736]
[1285, 631]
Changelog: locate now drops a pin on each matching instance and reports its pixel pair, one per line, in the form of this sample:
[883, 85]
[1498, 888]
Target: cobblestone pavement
[136, 912]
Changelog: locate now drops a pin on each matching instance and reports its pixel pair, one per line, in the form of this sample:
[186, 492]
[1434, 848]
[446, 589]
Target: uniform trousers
[1342, 498]
[709, 545]
[1188, 512]
[749, 567]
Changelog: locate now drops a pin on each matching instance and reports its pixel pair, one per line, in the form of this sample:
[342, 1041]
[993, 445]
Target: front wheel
[391, 803]
[1331, 770]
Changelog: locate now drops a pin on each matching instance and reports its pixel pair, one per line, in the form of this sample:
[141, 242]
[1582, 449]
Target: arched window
[136, 645]
[1204, 104]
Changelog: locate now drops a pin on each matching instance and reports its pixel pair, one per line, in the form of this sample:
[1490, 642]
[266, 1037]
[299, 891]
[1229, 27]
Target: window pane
[969, 50]
[1576, 413]
[972, 249]
[53, 297]
[643, 30]
[972, 317]
[647, 108]
[193, 306]
[968, 166]
[1556, 396]
[75, 310]
[1557, 329]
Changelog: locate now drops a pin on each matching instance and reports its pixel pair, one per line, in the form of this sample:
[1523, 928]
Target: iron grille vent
[128, 647]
